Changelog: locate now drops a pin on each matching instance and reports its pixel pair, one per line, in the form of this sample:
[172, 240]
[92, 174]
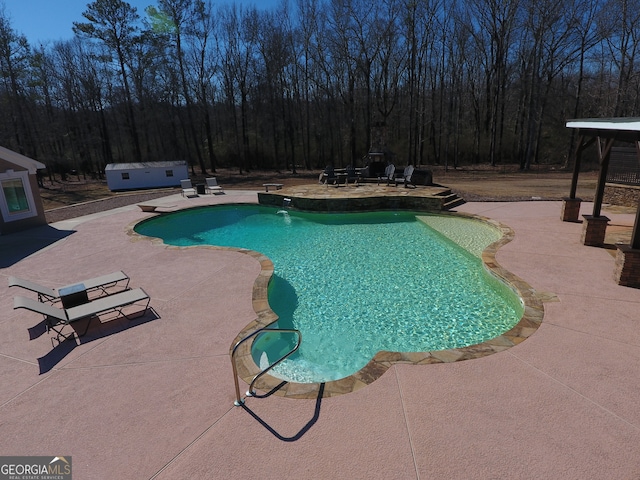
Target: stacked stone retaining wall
[623, 195]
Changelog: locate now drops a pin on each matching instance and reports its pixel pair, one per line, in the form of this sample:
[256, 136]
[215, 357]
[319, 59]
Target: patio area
[153, 398]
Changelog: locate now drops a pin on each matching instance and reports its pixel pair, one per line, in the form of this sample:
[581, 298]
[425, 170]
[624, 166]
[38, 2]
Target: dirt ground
[79, 196]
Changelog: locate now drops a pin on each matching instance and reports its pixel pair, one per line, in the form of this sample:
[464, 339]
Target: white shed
[131, 176]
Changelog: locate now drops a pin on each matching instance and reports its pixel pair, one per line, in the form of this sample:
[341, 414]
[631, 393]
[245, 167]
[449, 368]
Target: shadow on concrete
[65, 344]
[18, 246]
[303, 430]
[38, 330]
[55, 356]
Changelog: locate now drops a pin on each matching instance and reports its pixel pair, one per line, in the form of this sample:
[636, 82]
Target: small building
[134, 176]
[20, 202]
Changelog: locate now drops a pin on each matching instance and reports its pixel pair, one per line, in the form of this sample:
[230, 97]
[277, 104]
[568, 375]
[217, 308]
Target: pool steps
[263, 370]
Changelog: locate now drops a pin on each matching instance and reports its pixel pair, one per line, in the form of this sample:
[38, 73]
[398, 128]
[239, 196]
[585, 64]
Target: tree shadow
[286, 301]
[18, 246]
[65, 344]
[303, 430]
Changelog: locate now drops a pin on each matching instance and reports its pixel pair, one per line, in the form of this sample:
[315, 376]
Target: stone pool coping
[247, 369]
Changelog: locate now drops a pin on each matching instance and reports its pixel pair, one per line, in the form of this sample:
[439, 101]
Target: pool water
[355, 284]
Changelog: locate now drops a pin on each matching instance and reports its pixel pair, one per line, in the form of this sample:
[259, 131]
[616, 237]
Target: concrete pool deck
[153, 398]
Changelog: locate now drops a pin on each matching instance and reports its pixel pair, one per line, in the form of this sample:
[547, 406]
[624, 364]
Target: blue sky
[49, 20]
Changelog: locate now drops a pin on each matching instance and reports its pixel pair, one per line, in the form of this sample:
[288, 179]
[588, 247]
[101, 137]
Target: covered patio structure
[604, 133]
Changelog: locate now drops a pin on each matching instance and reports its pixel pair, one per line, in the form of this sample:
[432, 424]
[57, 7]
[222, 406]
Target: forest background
[317, 82]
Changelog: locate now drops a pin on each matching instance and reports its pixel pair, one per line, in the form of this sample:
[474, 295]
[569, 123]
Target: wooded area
[308, 83]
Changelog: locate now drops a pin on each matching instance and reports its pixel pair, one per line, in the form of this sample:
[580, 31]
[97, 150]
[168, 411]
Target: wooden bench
[150, 207]
[277, 186]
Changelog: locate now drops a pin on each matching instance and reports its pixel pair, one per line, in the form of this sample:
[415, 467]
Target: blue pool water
[358, 283]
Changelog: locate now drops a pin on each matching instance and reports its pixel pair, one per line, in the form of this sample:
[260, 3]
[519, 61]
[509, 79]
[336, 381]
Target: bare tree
[113, 22]
[545, 30]
[493, 24]
[586, 36]
[202, 26]
[390, 67]
[14, 66]
[175, 15]
[465, 80]
[238, 42]
[274, 49]
[621, 25]
[307, 36]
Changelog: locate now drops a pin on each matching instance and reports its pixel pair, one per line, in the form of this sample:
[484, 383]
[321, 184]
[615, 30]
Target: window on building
[125, 176]
[16, 199]
[15, 196]
[169, 173]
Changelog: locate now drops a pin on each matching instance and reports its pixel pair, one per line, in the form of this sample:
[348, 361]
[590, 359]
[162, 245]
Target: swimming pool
[358, 283]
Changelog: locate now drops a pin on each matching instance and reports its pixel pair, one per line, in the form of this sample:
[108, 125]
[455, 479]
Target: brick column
[593, 230]
[570, 209]
[627, 267]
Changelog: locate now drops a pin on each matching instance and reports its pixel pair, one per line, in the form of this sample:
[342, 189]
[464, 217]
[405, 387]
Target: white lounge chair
[388, 174]
[187, 189]
[405, 177]
[56, 318]
[212, 186]
[98, 284]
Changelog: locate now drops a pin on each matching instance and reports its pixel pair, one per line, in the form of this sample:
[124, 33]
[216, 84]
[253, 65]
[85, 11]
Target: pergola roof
[624, 129]
[619, 123]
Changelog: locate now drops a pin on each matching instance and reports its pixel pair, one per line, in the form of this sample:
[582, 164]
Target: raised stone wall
[623, 195]
[354, 204]
[627, 266]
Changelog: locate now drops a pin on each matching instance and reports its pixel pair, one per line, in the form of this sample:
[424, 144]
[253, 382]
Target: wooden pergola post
[571, 204]
[604, 154]
[635, 236]
[595, 225]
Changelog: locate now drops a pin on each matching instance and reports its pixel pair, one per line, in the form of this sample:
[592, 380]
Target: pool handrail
[251, 392]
